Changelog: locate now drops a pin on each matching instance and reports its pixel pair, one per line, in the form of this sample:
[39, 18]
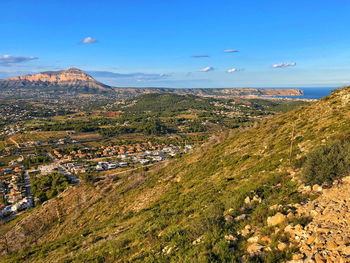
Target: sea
[314, 93]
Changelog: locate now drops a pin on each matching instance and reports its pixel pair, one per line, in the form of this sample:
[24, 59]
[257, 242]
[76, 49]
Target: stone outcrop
[327, 237]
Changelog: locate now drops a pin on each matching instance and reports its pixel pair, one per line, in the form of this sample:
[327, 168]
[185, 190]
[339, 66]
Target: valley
[162, 177]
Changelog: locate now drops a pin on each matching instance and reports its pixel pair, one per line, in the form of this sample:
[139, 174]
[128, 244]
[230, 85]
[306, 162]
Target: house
[99, 168]
[123, 164]
[112, 166]
[143, 161]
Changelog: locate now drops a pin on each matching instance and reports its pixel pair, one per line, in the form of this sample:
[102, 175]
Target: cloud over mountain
[135, 76]
[8, 60]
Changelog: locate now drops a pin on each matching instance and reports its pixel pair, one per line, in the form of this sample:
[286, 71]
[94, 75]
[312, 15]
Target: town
[15, 186]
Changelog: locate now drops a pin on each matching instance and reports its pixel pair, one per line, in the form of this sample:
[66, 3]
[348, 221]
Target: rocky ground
[327, 237]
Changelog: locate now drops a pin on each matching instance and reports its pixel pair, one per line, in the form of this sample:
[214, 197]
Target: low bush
[327, 163]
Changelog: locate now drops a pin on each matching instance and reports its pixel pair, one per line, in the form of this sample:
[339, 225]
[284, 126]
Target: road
[28, 187]
[63, 169]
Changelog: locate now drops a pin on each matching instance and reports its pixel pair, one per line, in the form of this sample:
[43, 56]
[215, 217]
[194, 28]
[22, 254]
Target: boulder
[276, 219]
[317, 188]
[255, 249]
[231, 238]
[282, 246]
[253, 239]
[266, 239]
[298, 256]
[241, 217]
[247, 200]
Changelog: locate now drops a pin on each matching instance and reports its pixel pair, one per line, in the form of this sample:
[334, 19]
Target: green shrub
[327, 163]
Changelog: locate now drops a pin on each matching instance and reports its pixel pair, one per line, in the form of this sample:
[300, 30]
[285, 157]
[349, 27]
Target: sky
[180, 43]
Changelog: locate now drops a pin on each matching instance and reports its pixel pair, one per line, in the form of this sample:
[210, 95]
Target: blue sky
[180, 43]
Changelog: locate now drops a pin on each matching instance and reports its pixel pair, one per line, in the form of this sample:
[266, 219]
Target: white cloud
[231, 70]
[284, 65]
[139, 76]
[200, 56]
[230, 51]
[8, 60]
[206, 69]
[88, 40]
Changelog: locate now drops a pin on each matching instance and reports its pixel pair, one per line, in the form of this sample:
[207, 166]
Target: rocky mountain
[238, 198]
[72, 79]
[75, 80]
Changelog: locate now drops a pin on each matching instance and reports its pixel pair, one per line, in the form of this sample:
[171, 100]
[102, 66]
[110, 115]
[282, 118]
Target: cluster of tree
[195, 126]
[34, 161]
[149, 127]
[47, 186]
[167, 104]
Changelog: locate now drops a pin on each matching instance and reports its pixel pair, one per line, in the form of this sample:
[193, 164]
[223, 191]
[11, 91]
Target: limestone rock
[253, 239]
[231, 238]
[282, 246]
[255, 249]
[241, 217]
[276, 219]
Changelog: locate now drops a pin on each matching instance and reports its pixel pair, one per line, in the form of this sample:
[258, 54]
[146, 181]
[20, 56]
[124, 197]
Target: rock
[317, 188]
[246, 230]
[248, 227]
[256, 198]
[290, 216]
[275, 207]
[282, 246]
[198, 240]
[319, 258]
[276, 219]
[346, 251]
[231, 238]
[307, 189]
[253, 239]
[247, 200]
[266, 239]
[167, 250]
[228, 219]
[298, 256]
[241, 217]
[255, 249]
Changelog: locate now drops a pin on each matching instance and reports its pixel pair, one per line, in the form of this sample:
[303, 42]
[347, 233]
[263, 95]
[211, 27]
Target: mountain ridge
[74, 79]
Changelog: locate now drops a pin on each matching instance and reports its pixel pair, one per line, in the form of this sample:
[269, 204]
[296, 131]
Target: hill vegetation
[201, 207]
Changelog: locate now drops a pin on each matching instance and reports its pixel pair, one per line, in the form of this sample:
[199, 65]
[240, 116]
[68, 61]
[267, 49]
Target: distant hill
[76, 80]
[72, 79]
[213, 92]
[211, 205]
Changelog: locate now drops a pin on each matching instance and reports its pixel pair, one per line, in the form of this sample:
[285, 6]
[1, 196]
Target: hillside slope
[191, 209]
